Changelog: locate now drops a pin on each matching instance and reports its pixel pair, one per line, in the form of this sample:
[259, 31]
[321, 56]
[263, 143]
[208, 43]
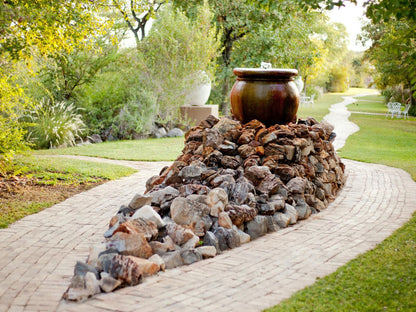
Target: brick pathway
[38, 253]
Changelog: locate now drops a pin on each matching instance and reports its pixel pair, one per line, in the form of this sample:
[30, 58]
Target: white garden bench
[394, 108]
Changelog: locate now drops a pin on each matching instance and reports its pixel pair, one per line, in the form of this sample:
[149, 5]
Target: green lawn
[370, 103]
[43, 182]
[321, 106]
[71, 171]
[383, 279]
[166, 149]
[144, 150]
[382, 140]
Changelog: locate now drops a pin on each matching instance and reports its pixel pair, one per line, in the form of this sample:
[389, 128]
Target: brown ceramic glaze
[269, 95]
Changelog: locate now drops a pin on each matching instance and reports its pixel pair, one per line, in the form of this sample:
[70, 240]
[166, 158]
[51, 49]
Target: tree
[234, 19]
[393, 53]
[173, 55]
[46, 25]
[137, 14]
[27, 28]
[63, 74]
[376, 10]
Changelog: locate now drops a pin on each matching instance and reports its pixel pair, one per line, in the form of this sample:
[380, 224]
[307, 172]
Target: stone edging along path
[39, 251]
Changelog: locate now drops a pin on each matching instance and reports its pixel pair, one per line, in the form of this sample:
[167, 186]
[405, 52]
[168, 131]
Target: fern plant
[55, 124]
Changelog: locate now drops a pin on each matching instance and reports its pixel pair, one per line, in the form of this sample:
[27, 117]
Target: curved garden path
[38, 253]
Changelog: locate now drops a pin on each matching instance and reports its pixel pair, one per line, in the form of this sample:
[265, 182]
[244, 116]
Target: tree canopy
[45, 25]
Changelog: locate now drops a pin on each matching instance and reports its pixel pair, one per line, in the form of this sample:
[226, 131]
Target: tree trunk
[305, 78]
[224, 107]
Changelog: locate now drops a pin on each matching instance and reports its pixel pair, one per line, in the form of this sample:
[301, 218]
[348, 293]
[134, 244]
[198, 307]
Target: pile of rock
[232, 183]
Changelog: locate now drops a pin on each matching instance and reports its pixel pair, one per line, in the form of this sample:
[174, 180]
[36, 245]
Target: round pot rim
[272, 73]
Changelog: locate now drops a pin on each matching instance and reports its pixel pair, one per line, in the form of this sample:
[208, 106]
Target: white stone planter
[198, 95]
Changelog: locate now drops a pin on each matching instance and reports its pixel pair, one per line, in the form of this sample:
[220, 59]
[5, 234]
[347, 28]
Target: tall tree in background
[282, 34]
[393, 52]
[137, 13]
[28, 28]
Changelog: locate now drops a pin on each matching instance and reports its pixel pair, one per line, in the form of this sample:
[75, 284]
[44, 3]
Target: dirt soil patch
[21, 196]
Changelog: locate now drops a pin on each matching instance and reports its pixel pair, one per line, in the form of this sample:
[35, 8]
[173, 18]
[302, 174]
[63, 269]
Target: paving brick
[39, 252]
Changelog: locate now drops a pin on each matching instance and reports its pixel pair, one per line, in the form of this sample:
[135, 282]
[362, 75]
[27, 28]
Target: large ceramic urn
[268, 95]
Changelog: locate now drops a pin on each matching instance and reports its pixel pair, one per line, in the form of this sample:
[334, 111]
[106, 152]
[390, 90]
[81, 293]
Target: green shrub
[55, 124]
[175, 50]
[136, 117]
[114, 87]
[338, 79]
[396, 94]
[12, 103]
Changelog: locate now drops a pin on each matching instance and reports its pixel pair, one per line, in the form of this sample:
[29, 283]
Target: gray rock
[164, 197]
[83, 143]
[104, 262]
[244, 237]
[212, 138]
[297, 185]
[159, 261]
[224, 220]
[187, 212]
[175, 132]
[291, 213]
[207, 251]
[76, 294]
[281, 219]
[232, 239]
[94, 251]
[225, 124]
[228, 148]
[125, 270]
[227, 239]
[161, 248]
[95, 138]
[265, 209]
[230, 162]
[303, 209]
[256, 173]
[108, 284]
[130, 244]
[160, 133]
[110, 231]
[148, 213]
[240, 214]
[178, 233]
[216, 201]
[198, 198]
[172, 259]
[320, 193]
[221, 233]
[211, 240]
[269, 185]
[81, 269]
[191, 172]
[77, 281]
[139, 225]
[272, 225]
[277, 202]
[192, 243]
[139, 201]
[257, 227]
[328, 189]
[240, 191]
[190, 256]
[91, 284]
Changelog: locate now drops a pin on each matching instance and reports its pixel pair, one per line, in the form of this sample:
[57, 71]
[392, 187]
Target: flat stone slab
[38, 253]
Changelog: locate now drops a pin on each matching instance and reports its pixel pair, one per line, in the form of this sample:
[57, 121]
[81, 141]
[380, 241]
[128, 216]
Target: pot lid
[271, 73]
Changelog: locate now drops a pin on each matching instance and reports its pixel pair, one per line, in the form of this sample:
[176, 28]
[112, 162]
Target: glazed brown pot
[268, 95]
